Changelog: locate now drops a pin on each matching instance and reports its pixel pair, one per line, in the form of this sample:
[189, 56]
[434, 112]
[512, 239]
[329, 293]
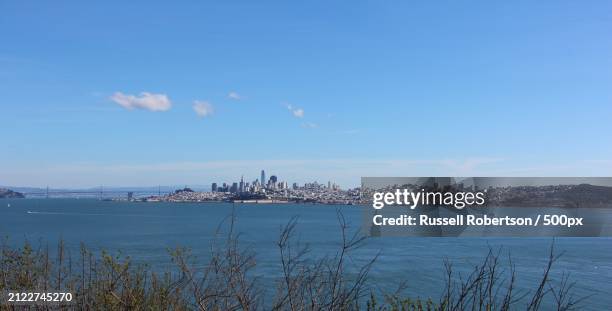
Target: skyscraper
[263, 178]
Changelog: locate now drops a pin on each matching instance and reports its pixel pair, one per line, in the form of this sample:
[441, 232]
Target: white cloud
[297, 112]
[310, 125]
[203, 108]
[234, 96]
[145, 100]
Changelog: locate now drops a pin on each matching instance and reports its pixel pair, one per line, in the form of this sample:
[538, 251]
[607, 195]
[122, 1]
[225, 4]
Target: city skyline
[135, 94]
[274, 182]
[261, 183]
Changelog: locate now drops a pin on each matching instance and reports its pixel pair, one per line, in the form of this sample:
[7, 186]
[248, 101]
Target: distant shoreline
[254, 202]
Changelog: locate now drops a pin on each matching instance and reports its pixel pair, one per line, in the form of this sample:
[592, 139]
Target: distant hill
[163, 189]
[582, 195]
[588, 194]
[6, 193]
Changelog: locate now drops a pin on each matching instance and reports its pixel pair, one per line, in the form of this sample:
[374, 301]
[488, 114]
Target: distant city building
[263, 178]
[283, 185]
[214, 187]
[225, 188]
[234, 188]
[313, 186]
[272, 182]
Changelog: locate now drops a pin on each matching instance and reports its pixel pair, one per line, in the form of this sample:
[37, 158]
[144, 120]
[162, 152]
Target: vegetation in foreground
[226, 281]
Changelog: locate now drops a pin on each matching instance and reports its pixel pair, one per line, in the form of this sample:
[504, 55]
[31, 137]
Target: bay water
[146, 231]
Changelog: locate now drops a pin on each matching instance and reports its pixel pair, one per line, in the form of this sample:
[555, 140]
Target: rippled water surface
[146, 230]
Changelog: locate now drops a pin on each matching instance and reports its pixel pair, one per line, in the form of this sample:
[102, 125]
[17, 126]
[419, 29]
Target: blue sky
[385, 88]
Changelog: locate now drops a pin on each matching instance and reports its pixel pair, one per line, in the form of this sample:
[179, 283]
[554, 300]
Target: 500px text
[473, 220]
